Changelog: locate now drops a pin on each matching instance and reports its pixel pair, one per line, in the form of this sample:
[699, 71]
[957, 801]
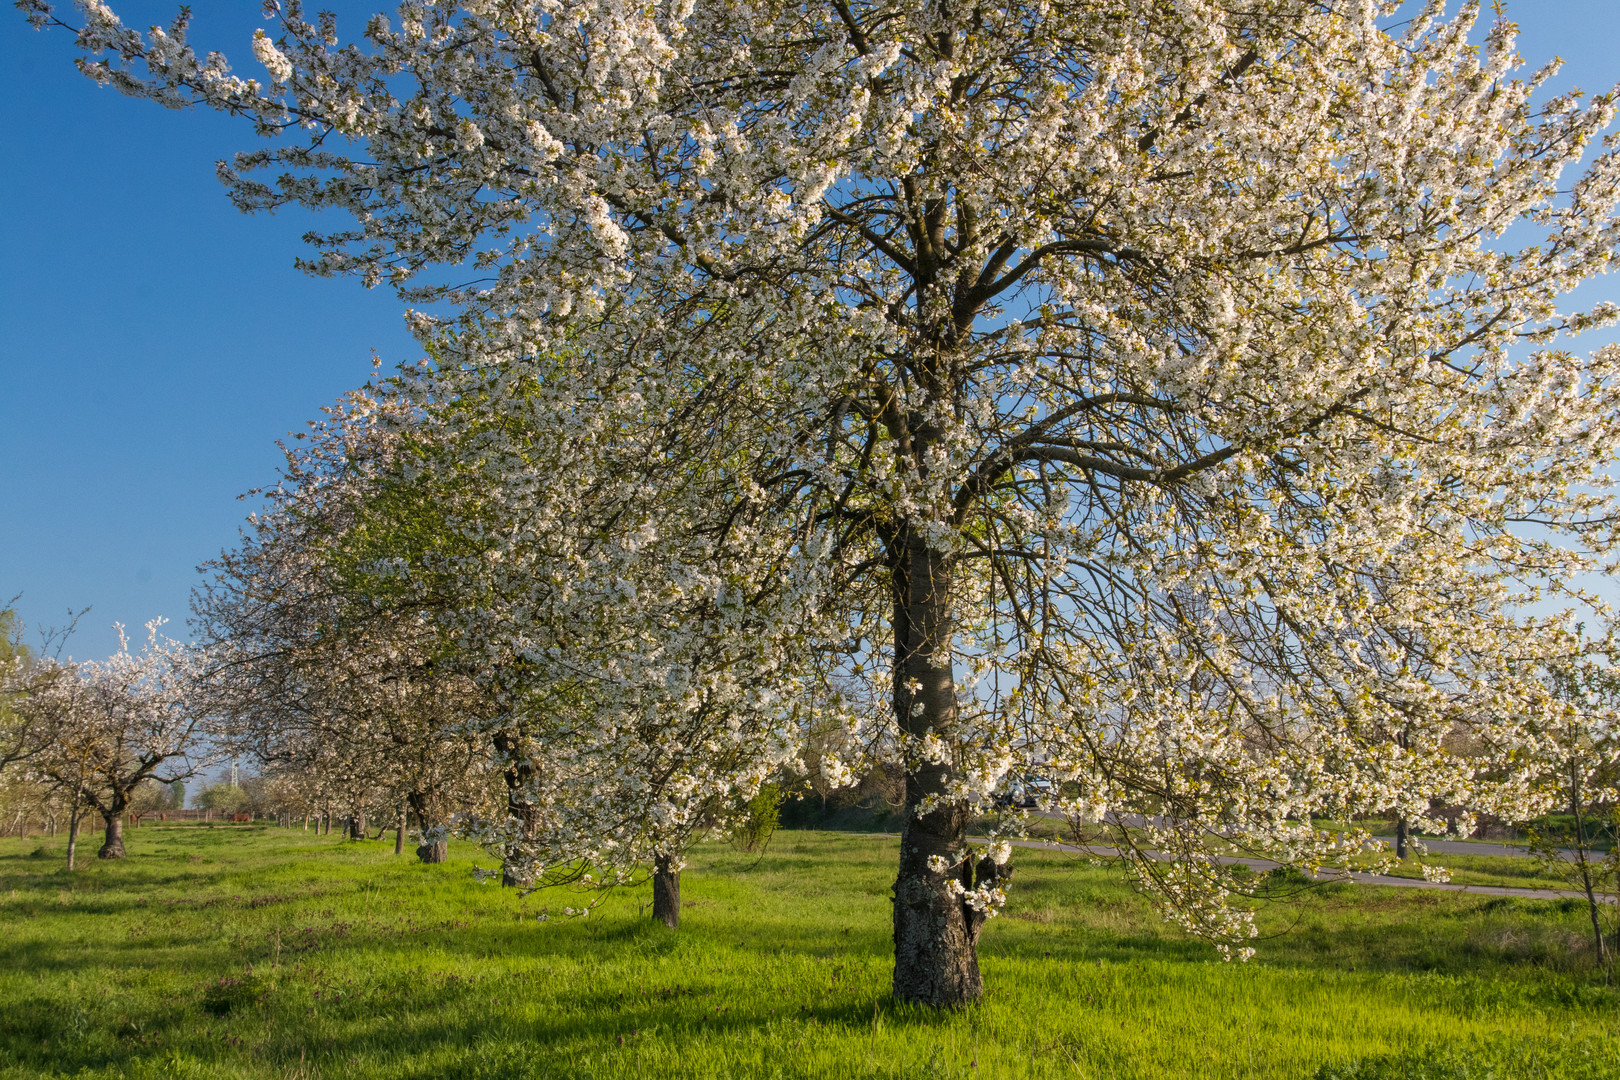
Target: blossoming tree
[321, 665]
[403, 591]
[1154, 387]
[116, 726]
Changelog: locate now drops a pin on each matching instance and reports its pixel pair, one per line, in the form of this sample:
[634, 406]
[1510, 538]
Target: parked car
[1025, 791]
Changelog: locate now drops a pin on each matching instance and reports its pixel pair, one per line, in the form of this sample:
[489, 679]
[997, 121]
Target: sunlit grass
[271, 953]
[1516, 872]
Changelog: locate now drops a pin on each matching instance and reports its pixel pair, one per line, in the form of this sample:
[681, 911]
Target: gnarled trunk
[517, 774]
[936, 932]
[513, 872]
[666, 891]
[430, 851]
[113, 846]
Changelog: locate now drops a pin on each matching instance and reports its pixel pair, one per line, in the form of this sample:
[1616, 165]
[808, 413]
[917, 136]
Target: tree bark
[399, 832]
[935, 933]
[1583, 864]
[517, 774]
[513, 873]
[1400, 837]
[113, 846]
[666, 892]
[73, 836]
[435, 851]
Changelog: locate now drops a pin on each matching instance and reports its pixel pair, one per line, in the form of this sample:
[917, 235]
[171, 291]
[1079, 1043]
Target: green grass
[1513, 871]
[271, 953]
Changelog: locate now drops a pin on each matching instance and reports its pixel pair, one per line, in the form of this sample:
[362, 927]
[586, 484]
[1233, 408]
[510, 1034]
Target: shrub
[753, 833]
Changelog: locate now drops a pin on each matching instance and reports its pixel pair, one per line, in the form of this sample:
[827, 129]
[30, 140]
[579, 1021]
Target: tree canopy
[1175, 400]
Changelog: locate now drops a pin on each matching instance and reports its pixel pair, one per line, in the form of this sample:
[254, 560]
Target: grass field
[270, 953]
[1515, 872]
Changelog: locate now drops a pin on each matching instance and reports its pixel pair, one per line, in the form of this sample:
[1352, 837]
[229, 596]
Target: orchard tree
[321, 669]
[116, 727]
[370, 601]
[20, 736]
[17, 740]
[1149, 393]
[1580, 757]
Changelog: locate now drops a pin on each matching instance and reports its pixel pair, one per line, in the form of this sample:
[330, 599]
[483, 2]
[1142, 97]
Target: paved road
[1334, 875]
[1462, 847]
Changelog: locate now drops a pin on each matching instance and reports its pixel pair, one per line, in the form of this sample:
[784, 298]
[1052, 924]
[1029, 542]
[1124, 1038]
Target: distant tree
[117, 726]
[20, 738]
[1580, 760]
[148, 798]
[318, 662]
[222, 798]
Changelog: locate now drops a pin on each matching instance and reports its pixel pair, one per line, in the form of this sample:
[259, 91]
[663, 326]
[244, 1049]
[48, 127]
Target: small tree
[1579, 841]
[322, 661]
[761, 814]
[148, 798]
[20, 736]
[117, 726]
[223, 798]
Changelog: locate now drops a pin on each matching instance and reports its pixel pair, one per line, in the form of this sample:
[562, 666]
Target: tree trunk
[666, 892]
[399, 832]
[73, 836]
[935, 933]
[1592, 909]
[429, 851]
[513, 869]
[517, 774]
[1584, 865]
[113, 846]
[1400, 837]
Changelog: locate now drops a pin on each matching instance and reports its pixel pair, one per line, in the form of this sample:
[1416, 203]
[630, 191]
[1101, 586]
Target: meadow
[264, 952]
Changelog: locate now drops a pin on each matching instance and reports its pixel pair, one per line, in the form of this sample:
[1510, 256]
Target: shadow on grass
[416, 970]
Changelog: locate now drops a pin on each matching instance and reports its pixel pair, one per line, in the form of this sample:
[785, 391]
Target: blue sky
[157, 343]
